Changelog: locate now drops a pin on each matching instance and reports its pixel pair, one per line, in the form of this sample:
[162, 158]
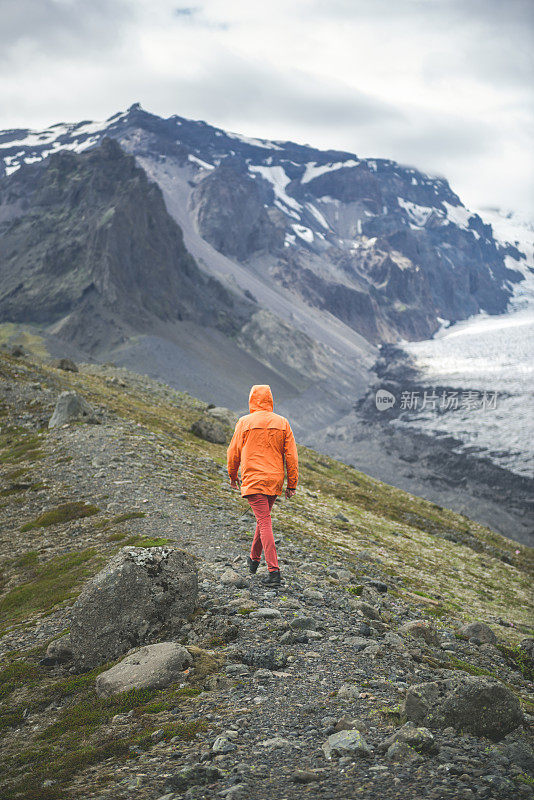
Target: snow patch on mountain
[418, 214]
[313, 170]
[278, 179]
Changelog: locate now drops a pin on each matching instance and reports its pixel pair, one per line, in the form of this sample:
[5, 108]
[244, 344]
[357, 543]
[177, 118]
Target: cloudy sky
[445, 85]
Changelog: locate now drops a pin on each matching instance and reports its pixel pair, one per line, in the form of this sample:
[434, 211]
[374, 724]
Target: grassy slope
[441, 562]
[468, 568]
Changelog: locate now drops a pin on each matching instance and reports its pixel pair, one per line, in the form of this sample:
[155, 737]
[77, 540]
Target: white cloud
[443, 85]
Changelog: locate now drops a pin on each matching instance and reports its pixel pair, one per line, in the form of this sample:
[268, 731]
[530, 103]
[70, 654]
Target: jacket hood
[260, 398]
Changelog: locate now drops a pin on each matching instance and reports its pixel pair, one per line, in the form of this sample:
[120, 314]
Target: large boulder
[210, 429]
[141, 594]
[155, 666]
[223, 415]
[481, 706]
[71, 407]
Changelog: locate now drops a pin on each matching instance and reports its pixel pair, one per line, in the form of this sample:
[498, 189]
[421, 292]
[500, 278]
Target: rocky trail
[395, 661]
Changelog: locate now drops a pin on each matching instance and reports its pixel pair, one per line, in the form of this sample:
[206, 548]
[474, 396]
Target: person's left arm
[292, 461]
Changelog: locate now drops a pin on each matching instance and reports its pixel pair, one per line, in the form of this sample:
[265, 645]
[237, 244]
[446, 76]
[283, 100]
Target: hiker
[261, 443]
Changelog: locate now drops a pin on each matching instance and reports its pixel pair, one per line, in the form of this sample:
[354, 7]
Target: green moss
[456, 663]
[144, 541]
[27, 560]
[53, 582]
[17, 674]
[517, 659]
[357, 590]
[116, 537]
[65, 513]
[27, 450]
[128, 515]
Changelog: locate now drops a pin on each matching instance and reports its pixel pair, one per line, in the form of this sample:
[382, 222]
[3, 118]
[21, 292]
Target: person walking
[262, 444]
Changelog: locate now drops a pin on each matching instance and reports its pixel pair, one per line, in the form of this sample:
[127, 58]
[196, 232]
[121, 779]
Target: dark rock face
[475, 705]
[88, 244]
[140, 594]
[230, 213]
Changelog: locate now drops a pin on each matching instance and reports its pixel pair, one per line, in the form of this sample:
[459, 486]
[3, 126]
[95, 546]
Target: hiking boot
[252, 565]
[273, 579]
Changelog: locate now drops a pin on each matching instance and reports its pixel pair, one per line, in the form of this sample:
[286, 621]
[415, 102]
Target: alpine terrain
[215, 261]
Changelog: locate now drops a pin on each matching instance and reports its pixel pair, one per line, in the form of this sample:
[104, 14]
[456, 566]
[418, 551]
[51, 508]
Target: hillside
[378, 585]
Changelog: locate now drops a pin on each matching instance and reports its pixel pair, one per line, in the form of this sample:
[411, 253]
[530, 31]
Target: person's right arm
[292, 461]
[233, 455]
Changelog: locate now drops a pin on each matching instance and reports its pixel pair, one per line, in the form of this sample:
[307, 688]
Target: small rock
[268, 658]
[221, 745]
[237, 792]
[305, 776]
[419, 739]
[276, 741]
[195, 775]
[478, 632]
[266, 613]
[363, 629]
[346, 743]
[313, 594]
[357, 642]
[263, 675]
[223, 415]
[71, 407]
[421, 630]
[155, 666]
[237, 669]
[231, 578]
[366, 609]
[392, 640]
[350, 724]
[380, 586]
[400, 751]
[303, 623]
[348, 691]
[60, 650]
[66, 364]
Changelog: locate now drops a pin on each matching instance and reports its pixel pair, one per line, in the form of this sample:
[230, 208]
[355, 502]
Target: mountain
[383, 247]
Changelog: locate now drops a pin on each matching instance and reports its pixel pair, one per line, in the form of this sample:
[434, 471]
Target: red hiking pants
[261, 505]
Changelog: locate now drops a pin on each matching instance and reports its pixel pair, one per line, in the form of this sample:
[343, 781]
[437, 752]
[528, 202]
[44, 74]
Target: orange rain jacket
[262, 441]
